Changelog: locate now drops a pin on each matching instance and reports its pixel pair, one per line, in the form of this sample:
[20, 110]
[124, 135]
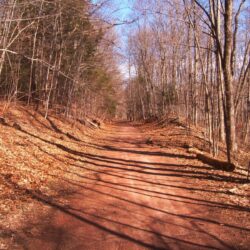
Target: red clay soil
[121, 193]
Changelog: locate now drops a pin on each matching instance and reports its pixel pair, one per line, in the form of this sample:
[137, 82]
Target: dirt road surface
[131, 195]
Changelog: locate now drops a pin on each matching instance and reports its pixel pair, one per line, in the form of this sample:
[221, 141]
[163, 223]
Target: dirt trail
[130, 195]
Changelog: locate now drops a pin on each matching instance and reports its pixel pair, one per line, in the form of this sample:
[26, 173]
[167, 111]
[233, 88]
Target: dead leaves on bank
[33, 157]
[233, 186]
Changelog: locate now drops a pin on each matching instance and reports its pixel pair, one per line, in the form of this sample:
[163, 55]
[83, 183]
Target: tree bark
[226, 65]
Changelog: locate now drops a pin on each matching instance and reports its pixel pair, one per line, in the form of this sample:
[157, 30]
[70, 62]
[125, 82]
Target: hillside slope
[33, 156]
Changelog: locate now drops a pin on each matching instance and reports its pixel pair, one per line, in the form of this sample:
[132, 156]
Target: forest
[187, 57]
[195, 64]
[58, 55]
[119, 92]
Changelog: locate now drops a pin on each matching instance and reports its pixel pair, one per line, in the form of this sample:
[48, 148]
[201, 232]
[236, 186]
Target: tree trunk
[229, 105]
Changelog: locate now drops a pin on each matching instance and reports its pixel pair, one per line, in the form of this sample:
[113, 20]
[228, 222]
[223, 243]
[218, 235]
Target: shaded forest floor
[64, 185]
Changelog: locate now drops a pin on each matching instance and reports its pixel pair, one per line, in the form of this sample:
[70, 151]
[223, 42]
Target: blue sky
[124, 7]
[118, 8]
[122, 10]
[119, 11]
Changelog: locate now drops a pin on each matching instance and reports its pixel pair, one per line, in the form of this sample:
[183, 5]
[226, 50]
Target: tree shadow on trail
[142, 181]
[103, 163]
[184, 173]
[155, 153]
[106, 224]
[193, 174]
